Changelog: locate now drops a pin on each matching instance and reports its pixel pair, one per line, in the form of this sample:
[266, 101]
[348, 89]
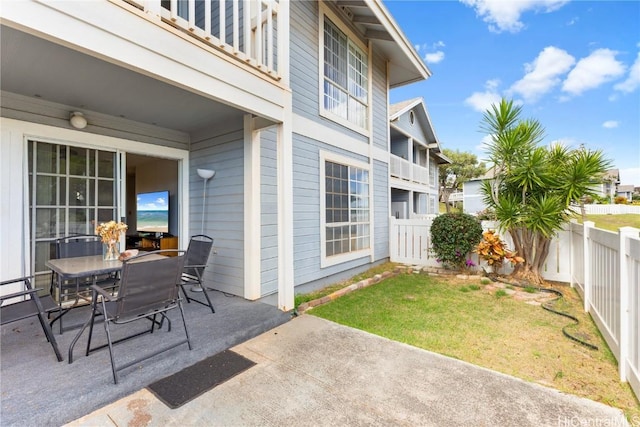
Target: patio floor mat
[189, 383]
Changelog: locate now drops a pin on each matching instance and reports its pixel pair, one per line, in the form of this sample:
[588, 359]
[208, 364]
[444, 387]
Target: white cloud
[504, 15]
[434, 58]
[590, 72]
[633, 80]
[610, 124]
[481, 101]
[543, 73]
[630, 176]
[432, 54]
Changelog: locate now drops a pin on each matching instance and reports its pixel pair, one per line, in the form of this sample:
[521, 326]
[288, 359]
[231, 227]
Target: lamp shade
[206, 173]
[77, 120]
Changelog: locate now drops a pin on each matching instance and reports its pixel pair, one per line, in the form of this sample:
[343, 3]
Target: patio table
[86, 266]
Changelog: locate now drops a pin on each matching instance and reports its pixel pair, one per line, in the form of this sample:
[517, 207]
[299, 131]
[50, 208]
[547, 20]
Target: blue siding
[416, 130]
[380, 210]
[224, 208]
[380, 123]
[269, 213]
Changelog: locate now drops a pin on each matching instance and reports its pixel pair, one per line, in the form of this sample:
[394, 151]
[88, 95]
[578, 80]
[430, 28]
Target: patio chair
[77, 246]
[197, 258]
[29, 304]
[148, 288]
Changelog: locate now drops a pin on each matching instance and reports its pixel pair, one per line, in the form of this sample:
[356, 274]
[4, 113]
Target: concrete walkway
[314, 372]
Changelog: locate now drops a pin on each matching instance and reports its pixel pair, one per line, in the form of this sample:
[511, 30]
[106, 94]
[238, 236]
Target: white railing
[404, 169]
[603, 266]
[246, 29]
[420, 174]
[608, 209]
[456, 196]
[399, 167]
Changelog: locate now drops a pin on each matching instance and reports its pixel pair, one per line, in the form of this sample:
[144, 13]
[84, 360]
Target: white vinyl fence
[609, 209]
[604, 267]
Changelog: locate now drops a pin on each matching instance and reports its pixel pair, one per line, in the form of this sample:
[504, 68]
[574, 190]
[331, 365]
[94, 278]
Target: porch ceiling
[35, 67]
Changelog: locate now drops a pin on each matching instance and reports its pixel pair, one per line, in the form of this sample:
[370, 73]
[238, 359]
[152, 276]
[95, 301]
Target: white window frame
[352, 39]
[326, 261]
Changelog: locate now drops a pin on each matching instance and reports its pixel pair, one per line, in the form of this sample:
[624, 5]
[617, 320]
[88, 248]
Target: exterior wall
[416, 131]
[269, 213]
[380, 210]
[224, 209]
[472, 198]
[307, 147]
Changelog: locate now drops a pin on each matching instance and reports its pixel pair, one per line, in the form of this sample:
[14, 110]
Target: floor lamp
[205, 174]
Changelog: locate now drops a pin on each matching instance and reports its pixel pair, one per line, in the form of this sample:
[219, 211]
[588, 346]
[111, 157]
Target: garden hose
[547, 306]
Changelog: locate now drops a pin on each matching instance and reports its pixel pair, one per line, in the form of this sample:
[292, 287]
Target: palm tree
[534, 185]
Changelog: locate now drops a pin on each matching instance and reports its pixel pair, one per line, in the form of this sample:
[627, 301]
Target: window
[345, 85]
[346, 209]
[433, 173]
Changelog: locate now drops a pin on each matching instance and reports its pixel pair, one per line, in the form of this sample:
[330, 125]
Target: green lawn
[461, 319]
[614, 222]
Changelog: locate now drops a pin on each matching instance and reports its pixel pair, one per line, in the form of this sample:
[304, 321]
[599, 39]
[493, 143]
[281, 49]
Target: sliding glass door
[70, 190]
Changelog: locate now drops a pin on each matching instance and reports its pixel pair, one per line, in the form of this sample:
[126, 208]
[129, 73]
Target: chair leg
[92, 321]
[113, 364]
[49, 333]
[184, 292]
[206, 295]
[184, 323]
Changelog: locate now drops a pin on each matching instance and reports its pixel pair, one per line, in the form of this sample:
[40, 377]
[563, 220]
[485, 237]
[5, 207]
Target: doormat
[184, 386]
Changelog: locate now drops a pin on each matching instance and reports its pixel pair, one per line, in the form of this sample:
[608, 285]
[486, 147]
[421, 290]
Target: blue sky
[573, 65]
[153, 201]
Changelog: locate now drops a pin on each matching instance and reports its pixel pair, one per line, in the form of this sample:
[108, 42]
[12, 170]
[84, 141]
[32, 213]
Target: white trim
[338, 259]
[252, 219]
[371, 153]
[285, 215]
[316, 131]
[323, 11]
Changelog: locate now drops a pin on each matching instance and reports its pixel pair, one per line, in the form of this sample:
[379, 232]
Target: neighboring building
[288, 104]
[608, 188]
[472, 202]
[414, 160]
[625, 191]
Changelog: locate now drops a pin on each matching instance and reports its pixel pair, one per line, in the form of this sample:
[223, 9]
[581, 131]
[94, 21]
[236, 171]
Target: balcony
[244, 29]
[405, 170]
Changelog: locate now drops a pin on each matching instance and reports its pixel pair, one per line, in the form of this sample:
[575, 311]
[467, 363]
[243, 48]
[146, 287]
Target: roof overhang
[375, 22]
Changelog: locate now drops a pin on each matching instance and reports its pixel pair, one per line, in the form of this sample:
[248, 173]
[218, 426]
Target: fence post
[586, 263]
[624, 233]
[572, 261]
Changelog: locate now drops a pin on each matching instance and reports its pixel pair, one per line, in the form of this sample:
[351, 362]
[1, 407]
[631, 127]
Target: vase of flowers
[110, 232]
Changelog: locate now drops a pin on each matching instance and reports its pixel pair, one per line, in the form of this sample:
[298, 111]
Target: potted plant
[494, 251]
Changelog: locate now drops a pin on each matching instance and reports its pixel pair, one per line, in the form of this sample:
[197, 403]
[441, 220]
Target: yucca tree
[534, 185]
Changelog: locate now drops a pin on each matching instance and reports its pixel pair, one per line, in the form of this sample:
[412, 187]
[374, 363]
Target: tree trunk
[534, 248]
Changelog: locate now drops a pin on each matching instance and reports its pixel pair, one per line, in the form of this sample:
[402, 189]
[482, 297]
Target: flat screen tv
[152, 212]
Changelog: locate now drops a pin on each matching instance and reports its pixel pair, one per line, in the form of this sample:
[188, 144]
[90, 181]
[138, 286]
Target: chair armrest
[21, 279]
[19, 294]
[102, 292]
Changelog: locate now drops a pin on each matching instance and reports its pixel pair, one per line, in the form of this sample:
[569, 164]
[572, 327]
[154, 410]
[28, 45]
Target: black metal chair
[29, 304]
[70, 292]
[148, 288]
[197, 257]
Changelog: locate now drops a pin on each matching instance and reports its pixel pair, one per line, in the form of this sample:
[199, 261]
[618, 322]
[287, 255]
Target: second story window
[345, 85]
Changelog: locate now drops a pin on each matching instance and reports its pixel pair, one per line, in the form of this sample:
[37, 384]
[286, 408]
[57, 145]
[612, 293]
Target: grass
[613, 222]
[301, 298]
[499, 333]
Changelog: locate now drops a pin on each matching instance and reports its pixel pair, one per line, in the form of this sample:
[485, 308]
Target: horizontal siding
[304, 66]
[268, 213]
[306, 212]
[224, 208]
[380, 122]
[416, 131]
[380, 210]
[43, 112]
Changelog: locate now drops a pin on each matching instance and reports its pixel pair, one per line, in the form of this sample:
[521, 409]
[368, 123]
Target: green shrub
[453, 236]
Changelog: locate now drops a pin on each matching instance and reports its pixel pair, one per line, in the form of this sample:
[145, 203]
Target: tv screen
[153, 212]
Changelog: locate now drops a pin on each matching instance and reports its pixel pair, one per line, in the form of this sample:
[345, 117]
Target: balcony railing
[403, 169]
[245, 29]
